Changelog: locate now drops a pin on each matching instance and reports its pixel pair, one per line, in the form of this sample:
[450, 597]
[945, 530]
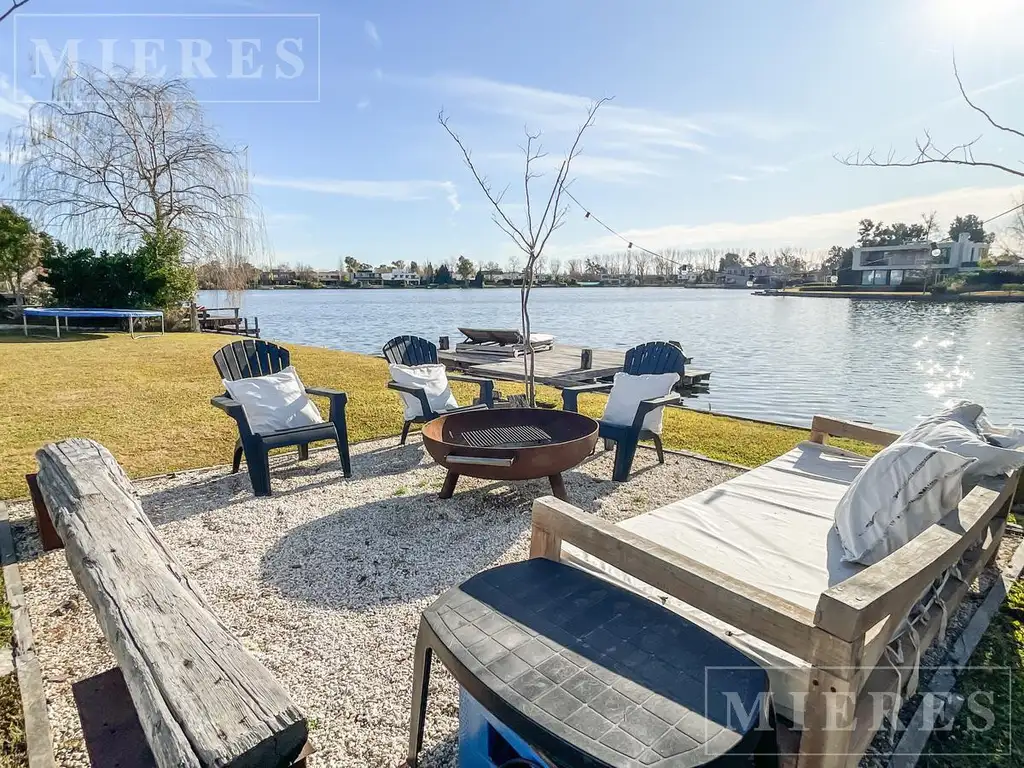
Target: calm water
[780, 359]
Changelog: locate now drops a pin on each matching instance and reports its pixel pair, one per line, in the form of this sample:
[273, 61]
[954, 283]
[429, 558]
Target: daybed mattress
[771, 527]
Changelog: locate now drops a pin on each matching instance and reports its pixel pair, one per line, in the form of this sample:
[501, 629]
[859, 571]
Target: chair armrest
[744, 606]
[569, 394]
[418, 392]
[486, 386]
[646, 406]
[231, 407]
[234, 409]
[323, 392]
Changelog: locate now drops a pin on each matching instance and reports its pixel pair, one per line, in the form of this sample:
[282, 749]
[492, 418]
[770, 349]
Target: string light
[629, 244]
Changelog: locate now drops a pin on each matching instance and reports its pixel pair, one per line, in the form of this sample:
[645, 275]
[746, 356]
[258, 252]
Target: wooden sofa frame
[844, 639]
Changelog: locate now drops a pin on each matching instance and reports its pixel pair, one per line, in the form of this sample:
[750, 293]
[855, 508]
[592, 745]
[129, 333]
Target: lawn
[148, 401]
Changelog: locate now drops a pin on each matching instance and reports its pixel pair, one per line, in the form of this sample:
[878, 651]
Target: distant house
[399, 277]
[278, 276]
[895, 265]
[738, 275]
[367, 277]
[330, 277]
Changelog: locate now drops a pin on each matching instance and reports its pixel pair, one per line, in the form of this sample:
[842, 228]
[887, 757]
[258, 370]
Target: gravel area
[324, 582]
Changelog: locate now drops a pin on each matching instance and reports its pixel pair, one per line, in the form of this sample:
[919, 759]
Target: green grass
[995, 680]
[13, 752]
[148, 401]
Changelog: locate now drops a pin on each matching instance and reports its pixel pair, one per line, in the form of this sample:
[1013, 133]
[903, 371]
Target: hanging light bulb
[629, 246]
[587, 216]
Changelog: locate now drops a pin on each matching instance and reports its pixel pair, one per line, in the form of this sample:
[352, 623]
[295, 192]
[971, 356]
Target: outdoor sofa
[756, 561]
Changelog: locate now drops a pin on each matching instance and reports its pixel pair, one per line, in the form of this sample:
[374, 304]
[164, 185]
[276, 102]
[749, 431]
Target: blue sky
[721, 133]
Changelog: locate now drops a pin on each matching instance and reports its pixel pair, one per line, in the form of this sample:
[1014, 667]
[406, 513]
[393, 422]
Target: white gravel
[324, 582]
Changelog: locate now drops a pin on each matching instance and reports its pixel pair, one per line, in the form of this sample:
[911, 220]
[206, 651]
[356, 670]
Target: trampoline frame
[68, 312]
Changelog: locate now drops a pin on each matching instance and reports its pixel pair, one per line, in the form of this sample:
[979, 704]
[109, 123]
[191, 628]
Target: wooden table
[588, 673]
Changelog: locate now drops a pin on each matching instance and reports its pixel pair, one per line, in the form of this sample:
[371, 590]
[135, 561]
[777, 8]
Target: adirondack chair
[652, 357]
[249, 358]
[413, 350]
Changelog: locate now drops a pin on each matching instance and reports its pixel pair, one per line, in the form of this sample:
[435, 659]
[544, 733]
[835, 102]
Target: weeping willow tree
[541, 216]
[113, 160]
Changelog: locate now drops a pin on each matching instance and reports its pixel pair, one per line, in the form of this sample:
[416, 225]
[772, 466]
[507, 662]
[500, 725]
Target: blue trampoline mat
[85, 312]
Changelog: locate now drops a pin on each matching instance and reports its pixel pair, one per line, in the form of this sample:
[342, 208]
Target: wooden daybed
[819, 626]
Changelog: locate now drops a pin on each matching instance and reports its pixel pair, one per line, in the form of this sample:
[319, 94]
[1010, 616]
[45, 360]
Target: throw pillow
[957, 430]
[628, 391]
[901, 492]
[274, 402]
[432, 379]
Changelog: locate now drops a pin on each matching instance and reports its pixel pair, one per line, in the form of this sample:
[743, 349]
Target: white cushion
[950, 434]
[432, 379]
[903, 490]
[628, 391]
[275, 402]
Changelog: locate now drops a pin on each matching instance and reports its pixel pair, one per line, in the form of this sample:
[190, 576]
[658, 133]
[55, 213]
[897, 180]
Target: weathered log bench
[201, 698]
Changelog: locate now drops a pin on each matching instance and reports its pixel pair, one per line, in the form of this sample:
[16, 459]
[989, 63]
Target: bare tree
[15, 5]
[113, 158]
[641, 263]
[927, 152]
[531, 235]
[514, 264]
[555, 267]
[575, 267]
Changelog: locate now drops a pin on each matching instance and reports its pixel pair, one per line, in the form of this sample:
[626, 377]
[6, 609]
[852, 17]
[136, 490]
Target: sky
[721, 130]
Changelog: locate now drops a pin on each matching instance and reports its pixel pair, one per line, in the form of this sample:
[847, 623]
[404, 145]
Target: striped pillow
[900, 493]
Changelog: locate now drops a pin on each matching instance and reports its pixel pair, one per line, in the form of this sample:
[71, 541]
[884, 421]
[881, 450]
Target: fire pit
[510, 444]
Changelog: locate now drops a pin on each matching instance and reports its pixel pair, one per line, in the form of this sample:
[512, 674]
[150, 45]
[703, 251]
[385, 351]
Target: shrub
[937, 289]
[151, 276]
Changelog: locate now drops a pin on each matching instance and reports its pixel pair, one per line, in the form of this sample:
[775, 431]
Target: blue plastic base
[486, 742]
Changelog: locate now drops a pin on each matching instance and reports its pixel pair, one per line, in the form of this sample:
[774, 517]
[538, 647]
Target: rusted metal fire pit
[510, 444]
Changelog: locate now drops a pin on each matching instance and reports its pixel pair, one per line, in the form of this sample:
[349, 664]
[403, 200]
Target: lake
[778, 359]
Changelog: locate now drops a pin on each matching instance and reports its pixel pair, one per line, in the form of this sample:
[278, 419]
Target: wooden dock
[559, 367]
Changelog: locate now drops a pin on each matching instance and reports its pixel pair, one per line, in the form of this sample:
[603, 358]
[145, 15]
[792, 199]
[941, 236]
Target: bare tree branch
[16, 4]
[928, 153]
[531, 237]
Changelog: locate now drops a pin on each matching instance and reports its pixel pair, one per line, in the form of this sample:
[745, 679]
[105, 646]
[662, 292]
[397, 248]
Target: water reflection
[782, 359]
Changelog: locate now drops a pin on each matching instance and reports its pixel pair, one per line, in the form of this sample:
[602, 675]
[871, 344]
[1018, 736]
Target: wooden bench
[201, 698]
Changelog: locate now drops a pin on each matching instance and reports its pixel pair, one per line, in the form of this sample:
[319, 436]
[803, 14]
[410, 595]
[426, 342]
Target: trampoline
[77, 312]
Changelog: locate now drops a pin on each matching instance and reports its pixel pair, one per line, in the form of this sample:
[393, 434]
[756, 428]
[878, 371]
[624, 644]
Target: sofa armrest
[570, 394]
[646, 406]
[850, 608]
[823, 427]
[744, 606]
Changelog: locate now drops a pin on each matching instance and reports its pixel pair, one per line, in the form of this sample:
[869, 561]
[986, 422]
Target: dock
[561, 366]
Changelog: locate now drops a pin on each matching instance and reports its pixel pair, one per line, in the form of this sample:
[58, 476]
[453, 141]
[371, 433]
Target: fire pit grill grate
[500, 437]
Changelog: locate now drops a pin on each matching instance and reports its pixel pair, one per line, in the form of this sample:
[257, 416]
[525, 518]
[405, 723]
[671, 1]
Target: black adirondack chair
[412, 350]
[652, 357]
[249, 358]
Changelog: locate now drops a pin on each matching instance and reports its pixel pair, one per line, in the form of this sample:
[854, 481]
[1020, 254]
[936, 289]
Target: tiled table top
[591, 673]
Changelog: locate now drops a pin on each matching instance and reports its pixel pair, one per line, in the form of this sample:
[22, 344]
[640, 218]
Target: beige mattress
[771, 527]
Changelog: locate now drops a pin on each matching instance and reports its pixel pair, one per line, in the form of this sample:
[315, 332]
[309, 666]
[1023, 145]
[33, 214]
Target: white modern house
[893, 265]
[403, 277]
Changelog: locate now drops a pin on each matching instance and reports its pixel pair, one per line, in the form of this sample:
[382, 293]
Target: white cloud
[604, 168]
[398, 191]
[736, 177]
[770, 169]
[371, 32]
[809, 230]
[378, 73]
[363, 104]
